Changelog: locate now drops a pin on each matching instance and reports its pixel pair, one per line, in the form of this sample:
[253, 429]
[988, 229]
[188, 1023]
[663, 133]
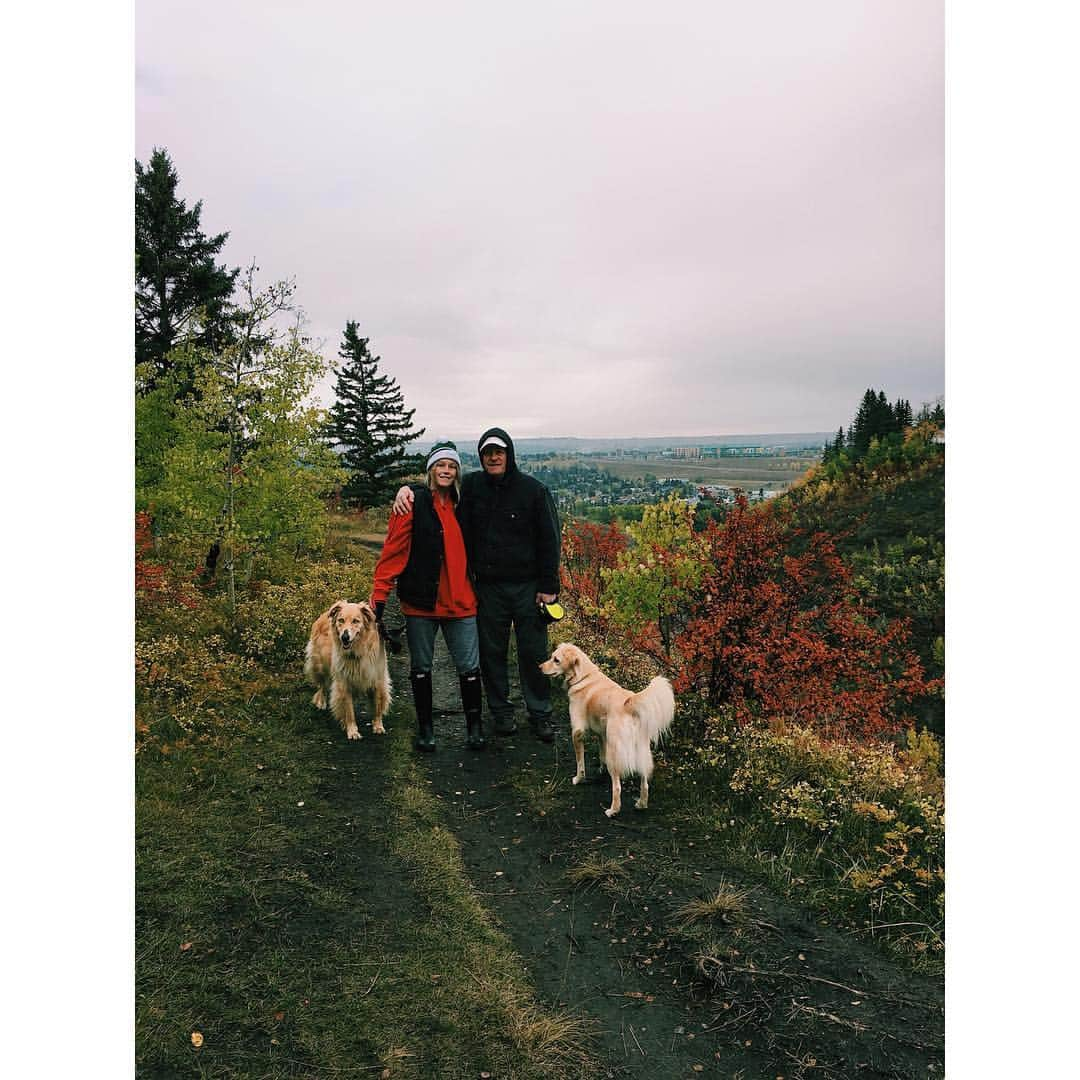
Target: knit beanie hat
[441, 450]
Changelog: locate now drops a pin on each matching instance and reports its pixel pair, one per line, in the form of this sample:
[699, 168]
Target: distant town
[615, 482]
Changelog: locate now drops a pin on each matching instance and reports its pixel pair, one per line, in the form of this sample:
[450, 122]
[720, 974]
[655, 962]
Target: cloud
[711, 215]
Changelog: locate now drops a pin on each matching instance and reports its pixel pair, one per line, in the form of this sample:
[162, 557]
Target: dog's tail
[654, 707]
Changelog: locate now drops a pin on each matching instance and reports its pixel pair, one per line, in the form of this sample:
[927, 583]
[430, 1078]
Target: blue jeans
[459, 635]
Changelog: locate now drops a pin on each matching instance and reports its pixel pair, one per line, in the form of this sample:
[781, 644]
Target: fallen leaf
[699, 1068]
[196, 1039]
[185, 945]
[279, 1016]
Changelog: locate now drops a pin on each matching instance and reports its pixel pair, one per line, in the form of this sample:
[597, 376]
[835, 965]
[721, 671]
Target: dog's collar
[574, 682]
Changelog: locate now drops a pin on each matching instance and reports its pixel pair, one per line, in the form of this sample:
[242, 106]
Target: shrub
[737, 619]
[881, 807]
[274, 620]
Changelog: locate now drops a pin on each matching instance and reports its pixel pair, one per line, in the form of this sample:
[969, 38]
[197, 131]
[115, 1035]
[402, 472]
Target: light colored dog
[628, 725]
[345, 656]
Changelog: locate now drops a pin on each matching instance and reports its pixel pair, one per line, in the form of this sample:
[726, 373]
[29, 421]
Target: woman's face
[445, 473]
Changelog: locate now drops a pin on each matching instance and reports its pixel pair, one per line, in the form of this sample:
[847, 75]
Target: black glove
[393, 643]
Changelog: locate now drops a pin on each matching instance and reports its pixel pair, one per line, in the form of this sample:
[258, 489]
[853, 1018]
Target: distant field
[770, 473]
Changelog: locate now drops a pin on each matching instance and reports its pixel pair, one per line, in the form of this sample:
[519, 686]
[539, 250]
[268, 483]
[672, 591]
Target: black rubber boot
[472, 701]
[425, 728]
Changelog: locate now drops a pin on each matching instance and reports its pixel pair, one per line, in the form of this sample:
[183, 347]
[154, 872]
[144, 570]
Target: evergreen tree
[371, 425]
[181, 294]
[833, 450]
[861, 430]
[876, 419]
[934, 414]
[902, 414]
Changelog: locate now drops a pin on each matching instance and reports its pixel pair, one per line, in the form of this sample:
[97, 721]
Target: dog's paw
[578, 779]
[354, 734]
[378, 729]
[639, 805]
[319, 701]
[611, 811]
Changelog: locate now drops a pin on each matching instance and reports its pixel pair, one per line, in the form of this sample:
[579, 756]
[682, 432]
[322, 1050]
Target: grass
[727, 904]
[596, 870]
[541, 795]
[301, 931]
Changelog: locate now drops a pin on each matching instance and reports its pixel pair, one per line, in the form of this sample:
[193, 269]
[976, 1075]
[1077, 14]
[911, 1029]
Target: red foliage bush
[588, 549]
[770, 634]
[152, 582]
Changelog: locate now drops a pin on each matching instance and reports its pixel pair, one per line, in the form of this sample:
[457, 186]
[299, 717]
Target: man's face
[494, 461]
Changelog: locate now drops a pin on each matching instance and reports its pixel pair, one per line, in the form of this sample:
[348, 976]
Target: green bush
[274, 620]
[880, 809]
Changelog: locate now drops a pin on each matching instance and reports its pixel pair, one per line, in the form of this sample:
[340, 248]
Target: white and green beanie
[441, 450]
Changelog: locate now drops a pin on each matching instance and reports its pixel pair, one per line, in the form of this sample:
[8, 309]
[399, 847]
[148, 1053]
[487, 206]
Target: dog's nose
[345, 638]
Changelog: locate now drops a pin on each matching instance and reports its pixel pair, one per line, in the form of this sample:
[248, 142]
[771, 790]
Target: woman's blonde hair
[432, 486]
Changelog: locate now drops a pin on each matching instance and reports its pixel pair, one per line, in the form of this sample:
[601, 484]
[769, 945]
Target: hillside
[896, 492]
[886, 513]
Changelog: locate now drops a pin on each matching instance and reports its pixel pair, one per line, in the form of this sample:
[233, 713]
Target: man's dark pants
[500, 604]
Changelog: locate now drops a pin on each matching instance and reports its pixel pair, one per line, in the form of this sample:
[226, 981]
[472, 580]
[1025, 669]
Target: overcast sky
[579, 218]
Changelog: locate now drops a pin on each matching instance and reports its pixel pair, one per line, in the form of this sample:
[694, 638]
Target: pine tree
[833, 450]
[181, 294]
[862, 427]
[902, 414]
[371, 425]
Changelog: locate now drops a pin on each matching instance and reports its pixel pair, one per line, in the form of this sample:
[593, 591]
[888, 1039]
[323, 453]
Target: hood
[511, 460]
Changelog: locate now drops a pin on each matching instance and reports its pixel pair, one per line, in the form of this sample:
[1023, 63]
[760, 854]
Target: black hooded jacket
[510, 525]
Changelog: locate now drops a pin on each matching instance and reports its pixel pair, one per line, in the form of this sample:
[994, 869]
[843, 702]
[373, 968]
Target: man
[512, 539]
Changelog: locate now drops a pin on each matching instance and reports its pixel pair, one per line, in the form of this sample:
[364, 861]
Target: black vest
[418, 583]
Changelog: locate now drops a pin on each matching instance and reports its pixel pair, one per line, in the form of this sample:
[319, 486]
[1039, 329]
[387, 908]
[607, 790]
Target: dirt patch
[597, 910]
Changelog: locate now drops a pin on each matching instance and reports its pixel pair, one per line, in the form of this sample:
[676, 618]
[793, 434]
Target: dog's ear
[369, 614]
[335, 609]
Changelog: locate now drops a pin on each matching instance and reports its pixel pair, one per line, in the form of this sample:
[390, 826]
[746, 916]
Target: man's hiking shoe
[505, 725]
[541, 728]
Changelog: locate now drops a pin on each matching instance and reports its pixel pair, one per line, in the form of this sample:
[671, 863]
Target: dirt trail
[788, 998]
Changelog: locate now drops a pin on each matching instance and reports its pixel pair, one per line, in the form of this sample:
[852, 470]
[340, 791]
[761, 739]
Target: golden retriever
[628, 725]
[345, 656]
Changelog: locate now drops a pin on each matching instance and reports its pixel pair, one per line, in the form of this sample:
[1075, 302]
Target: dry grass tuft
[727, 904]
[596, 870]
[551, 1040]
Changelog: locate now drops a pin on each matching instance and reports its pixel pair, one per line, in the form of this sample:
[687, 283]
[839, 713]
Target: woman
[425, 554]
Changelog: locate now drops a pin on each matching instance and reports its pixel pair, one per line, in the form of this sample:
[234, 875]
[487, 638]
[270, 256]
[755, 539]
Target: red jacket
[456, 599]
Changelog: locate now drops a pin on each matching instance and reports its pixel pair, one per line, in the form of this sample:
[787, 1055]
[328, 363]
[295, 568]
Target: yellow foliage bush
[881, 807]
